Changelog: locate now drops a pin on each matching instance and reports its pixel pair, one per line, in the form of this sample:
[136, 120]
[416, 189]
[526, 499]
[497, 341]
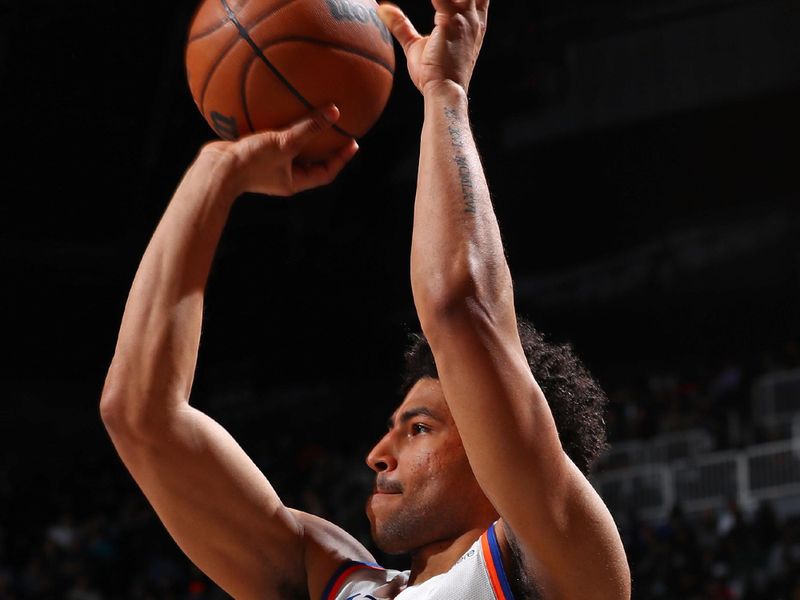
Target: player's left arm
[463, 293]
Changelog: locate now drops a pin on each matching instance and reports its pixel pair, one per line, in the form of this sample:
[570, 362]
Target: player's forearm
[154, 361]
[457, 254]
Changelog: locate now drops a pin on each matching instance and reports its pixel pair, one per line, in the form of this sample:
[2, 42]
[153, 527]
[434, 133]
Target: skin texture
[488, 447]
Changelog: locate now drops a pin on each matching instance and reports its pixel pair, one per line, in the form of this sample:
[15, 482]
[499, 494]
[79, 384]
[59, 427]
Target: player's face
[425, 491]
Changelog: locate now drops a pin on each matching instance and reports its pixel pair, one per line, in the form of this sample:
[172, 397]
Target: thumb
[397, 22]
[300, 133]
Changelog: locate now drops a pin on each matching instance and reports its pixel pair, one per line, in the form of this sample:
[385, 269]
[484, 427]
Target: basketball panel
[358, 86]
[222, 102]
[352, 24]
[270, 105]
[203, 56]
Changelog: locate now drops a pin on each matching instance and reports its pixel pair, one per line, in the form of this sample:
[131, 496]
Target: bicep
[217, 505]
[578, 556]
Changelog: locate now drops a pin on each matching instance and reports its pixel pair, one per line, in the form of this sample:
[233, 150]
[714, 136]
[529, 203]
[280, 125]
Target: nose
[382, 457]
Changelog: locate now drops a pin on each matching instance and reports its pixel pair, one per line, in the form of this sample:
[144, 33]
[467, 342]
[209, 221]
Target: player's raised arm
[214, 501]
[463, 292]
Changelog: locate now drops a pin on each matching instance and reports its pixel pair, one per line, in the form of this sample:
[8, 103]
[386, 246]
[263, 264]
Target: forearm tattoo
[464, 171]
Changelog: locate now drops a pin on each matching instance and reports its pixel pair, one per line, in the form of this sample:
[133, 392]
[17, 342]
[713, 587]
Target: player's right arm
[211, 497]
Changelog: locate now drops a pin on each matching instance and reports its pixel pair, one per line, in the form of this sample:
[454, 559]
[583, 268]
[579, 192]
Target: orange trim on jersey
[339, 582]
[492, 568]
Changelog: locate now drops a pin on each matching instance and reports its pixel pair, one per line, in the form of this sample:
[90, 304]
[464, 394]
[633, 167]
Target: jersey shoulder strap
[493, 559]
[478, 575]
[372, 572]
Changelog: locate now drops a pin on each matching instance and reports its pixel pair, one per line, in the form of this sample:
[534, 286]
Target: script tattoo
[464, 171]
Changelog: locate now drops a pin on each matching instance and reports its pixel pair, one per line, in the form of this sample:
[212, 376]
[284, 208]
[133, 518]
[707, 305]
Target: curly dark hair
[576, 400]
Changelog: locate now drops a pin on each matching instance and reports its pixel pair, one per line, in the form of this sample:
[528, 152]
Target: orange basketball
[262, 64]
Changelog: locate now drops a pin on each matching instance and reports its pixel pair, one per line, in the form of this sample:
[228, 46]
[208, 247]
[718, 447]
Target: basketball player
[471, 480]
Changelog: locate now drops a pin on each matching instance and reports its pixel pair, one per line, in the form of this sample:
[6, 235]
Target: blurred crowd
[724, 555]
[714, 395]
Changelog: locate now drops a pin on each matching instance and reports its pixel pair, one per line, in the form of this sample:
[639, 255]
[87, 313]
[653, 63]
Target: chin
[400, 532]
[388, 543]
[381, 534]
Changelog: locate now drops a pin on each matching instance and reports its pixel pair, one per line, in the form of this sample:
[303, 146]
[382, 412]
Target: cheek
[425, 465]
[445, 466]
[421, 470]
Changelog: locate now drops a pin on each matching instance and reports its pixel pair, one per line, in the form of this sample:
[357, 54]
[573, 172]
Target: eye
[418, 428]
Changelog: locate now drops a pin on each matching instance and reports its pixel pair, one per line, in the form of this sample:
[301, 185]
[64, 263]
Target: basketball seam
[213, 69]
[258, 20]
[318, 42]
[248, 71]
[243, 91]
[245, 35]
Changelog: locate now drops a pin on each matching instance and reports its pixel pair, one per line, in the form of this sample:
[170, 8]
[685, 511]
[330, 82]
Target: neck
[439, 557]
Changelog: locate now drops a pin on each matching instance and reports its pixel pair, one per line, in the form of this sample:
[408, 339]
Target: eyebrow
[409, 414]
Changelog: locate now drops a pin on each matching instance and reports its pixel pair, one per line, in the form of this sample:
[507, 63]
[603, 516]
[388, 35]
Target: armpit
[520, 575]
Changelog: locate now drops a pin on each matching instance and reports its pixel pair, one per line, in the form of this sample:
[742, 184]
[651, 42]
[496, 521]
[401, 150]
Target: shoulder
[327, 548]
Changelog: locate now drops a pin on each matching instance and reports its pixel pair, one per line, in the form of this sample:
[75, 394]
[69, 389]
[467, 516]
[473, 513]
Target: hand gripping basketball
[450, 51]
[267, 162]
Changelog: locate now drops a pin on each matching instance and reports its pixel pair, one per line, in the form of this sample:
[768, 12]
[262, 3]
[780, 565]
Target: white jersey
[478, 575]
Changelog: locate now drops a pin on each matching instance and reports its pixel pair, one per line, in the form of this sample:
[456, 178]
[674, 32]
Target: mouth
[385, 491]
[379, 501]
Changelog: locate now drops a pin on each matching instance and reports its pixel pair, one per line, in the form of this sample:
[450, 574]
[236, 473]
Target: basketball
[262, 64]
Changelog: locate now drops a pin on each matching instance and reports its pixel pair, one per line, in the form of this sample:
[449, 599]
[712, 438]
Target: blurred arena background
[643, 158]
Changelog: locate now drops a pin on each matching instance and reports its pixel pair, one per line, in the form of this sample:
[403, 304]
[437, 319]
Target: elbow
[124, 415]
[464, 296]
[114, 411]
[441, 288]
[440, 300]
[111, 404]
